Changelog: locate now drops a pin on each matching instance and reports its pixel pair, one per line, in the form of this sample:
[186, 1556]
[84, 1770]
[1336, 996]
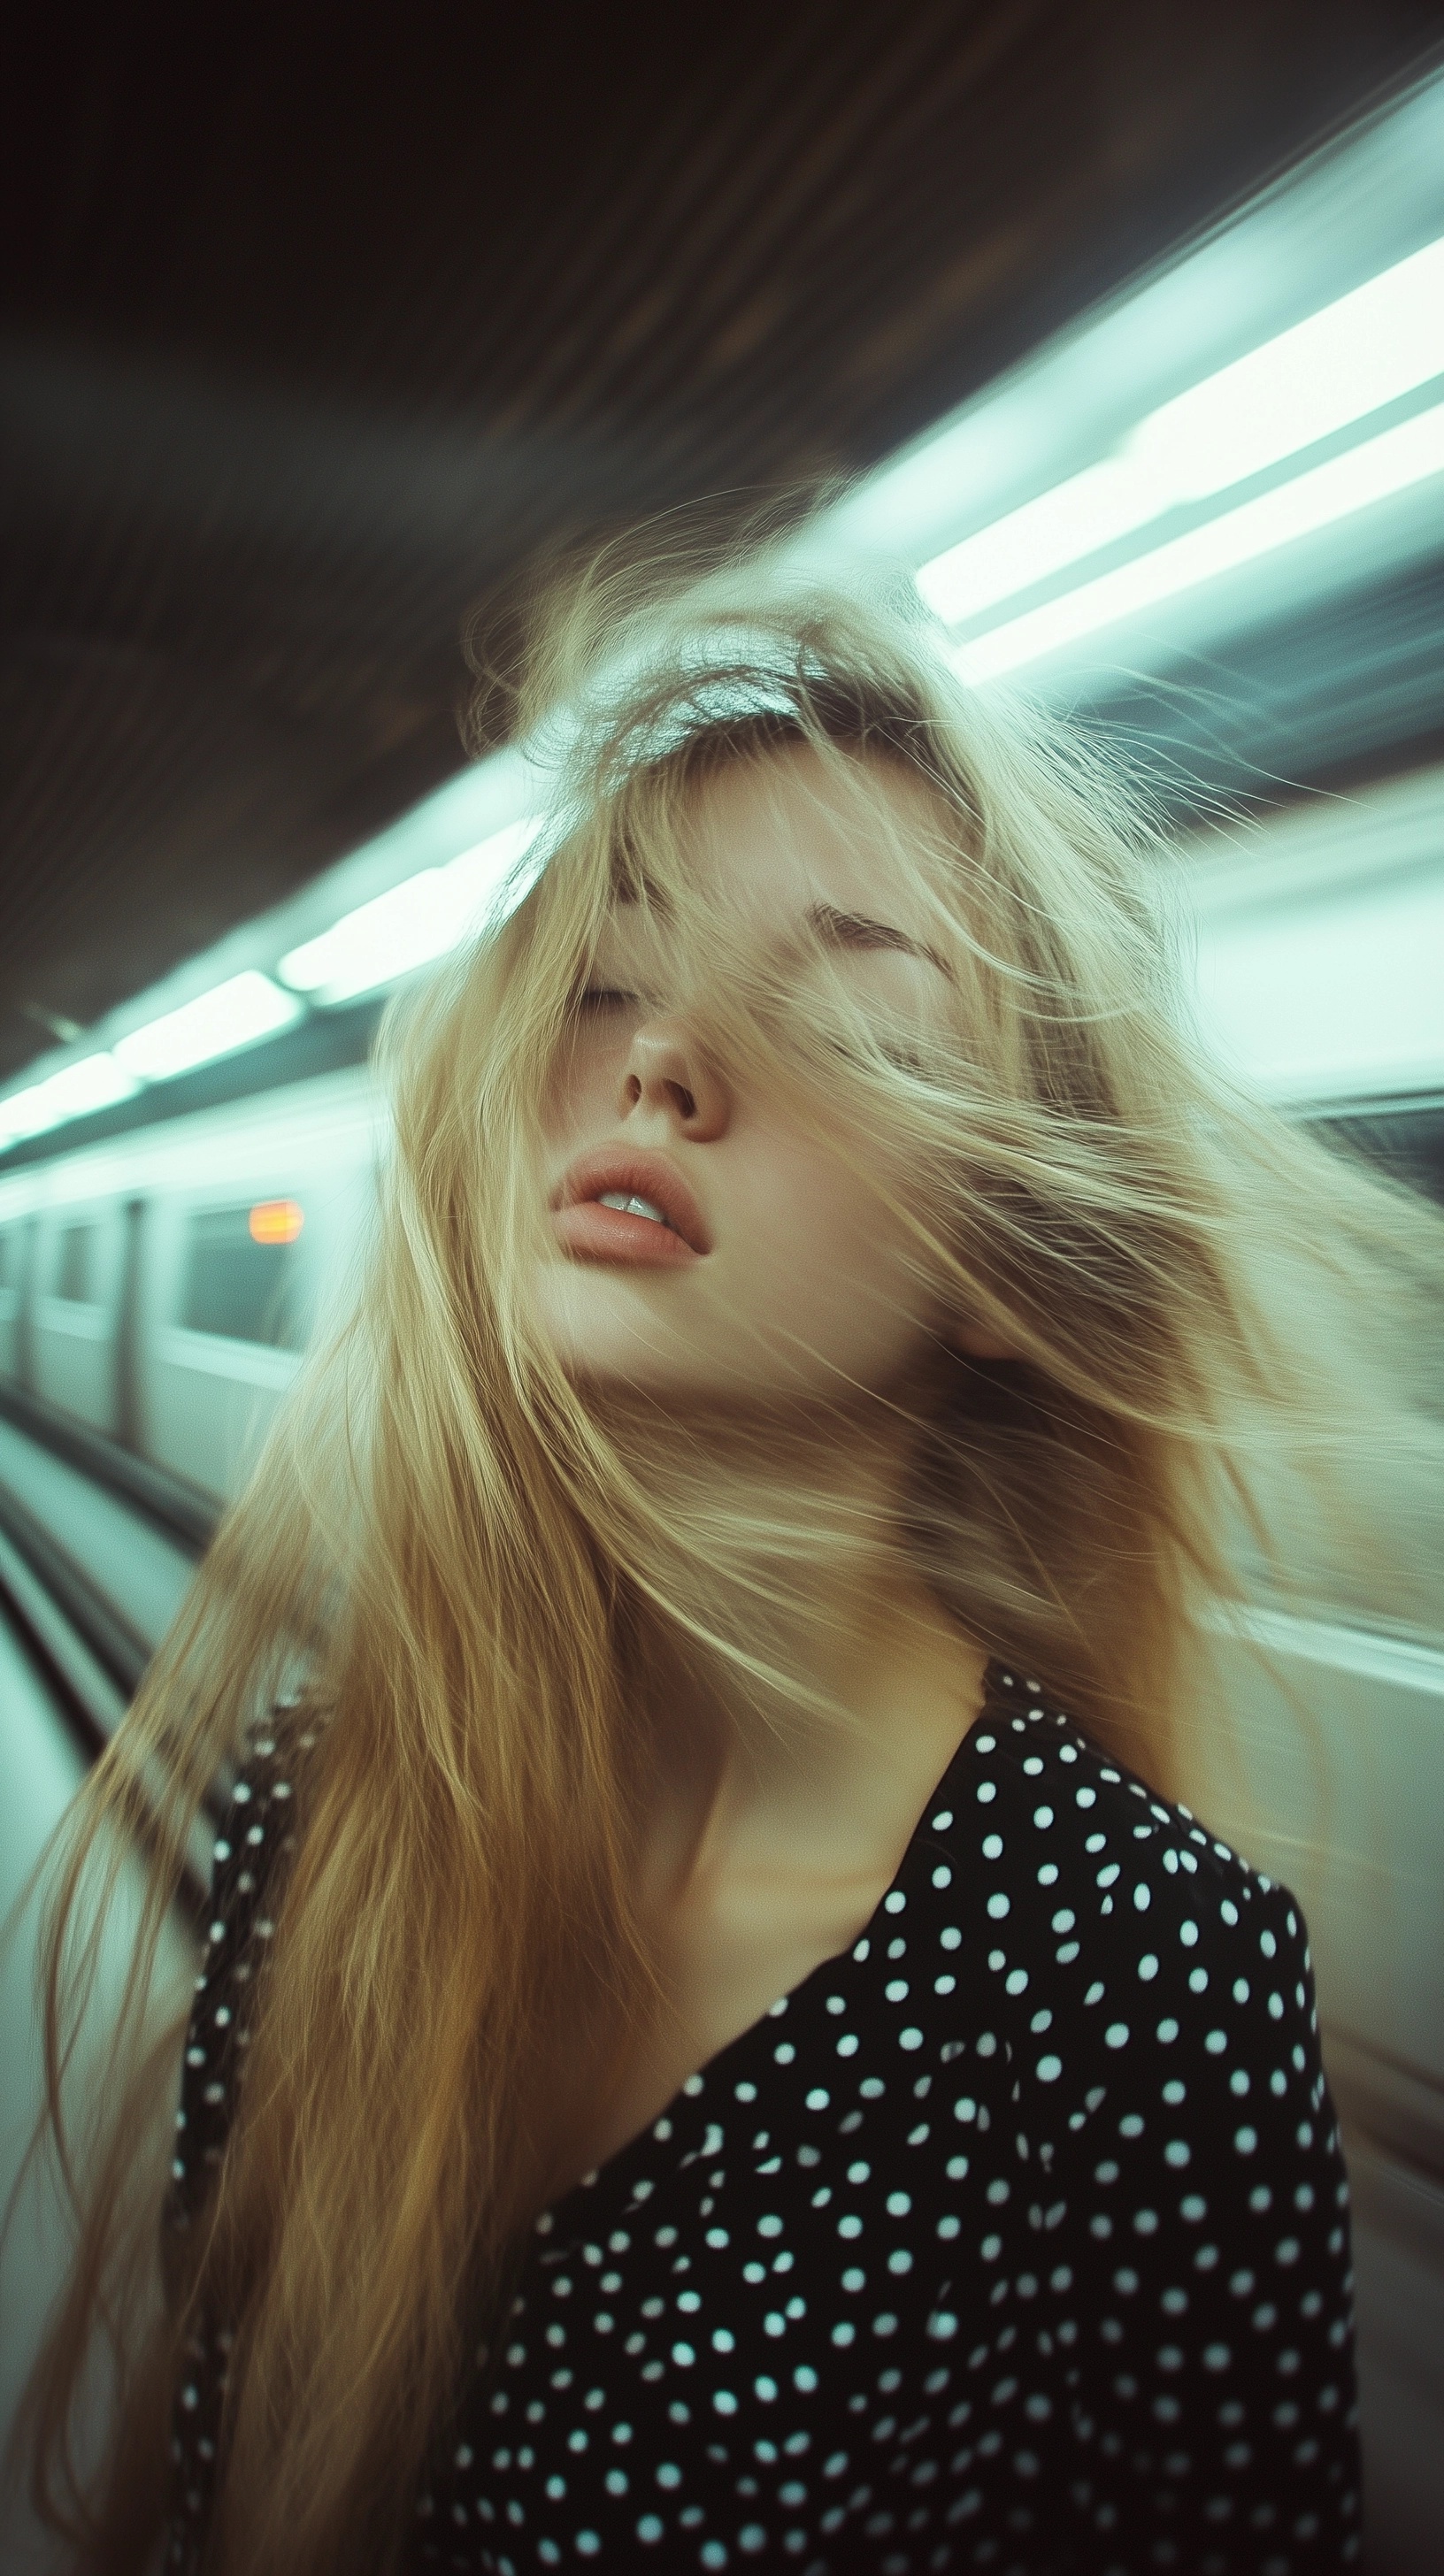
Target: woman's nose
[665, 1069]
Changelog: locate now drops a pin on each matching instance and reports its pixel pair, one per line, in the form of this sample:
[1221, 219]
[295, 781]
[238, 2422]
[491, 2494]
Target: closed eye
[858, 930]
[603, 997]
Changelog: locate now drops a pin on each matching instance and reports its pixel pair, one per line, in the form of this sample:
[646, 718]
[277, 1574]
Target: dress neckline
[612, 2167]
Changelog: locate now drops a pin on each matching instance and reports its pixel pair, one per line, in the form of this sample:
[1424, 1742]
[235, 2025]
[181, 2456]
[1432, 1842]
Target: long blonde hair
[474, 1568]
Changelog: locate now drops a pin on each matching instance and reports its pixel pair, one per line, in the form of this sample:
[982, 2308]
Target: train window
[75, 1268]
[240, 1279]
[1407, 1142]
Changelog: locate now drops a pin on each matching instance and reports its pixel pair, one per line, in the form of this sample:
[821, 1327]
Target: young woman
[715, 2047]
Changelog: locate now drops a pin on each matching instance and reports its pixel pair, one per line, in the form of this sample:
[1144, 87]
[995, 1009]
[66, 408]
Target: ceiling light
[414, 922]
[1379, 467]
[1074, 519]
[95, 1082]
[1368, 348]
[234, 1014]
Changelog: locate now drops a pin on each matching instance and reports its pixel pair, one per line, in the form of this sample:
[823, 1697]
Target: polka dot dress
[1014, 2239]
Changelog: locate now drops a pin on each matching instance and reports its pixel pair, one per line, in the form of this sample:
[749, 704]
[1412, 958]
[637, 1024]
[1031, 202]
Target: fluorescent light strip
[1074, 519]
[234, 1014]
[415, 922]
[1383, 340]
[1379, 467]
[94, 1082]
[375, 945]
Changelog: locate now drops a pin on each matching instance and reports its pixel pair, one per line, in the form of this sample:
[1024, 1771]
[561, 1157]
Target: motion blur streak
[1384, 340]
[1410, 453]
[1205, 520]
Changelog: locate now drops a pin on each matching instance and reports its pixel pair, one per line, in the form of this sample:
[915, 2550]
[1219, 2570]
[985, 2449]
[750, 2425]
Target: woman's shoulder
[1112, 1909]
[1152, 2056]
[1068, 1807]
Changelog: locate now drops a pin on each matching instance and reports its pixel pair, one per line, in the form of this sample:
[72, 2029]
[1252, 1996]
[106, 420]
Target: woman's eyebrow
[859, 930]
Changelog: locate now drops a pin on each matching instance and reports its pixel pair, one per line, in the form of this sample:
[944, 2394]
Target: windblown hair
[471, 1563]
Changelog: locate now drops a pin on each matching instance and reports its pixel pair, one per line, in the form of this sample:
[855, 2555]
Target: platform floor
[41, 1767]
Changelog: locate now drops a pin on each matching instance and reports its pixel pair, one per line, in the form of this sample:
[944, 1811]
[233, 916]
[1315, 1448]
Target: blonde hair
[475, 1566]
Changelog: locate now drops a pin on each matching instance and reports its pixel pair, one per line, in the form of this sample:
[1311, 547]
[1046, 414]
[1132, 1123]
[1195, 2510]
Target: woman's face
[794, 1285]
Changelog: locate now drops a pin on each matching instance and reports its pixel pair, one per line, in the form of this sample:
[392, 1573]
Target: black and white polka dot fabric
[1015, 2239]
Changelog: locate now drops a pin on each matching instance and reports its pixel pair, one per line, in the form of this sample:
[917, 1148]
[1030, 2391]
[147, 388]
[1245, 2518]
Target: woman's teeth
[633, 1206]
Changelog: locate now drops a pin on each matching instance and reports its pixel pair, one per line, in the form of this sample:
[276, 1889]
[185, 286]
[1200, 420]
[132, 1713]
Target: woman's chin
[606, 1330]
[615, 1342]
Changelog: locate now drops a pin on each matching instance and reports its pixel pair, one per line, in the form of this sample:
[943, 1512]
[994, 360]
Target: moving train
[160, 1286]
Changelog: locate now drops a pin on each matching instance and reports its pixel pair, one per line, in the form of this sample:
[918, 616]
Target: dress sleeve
[250, 1852]
[254, 1840]
[1214, 2424]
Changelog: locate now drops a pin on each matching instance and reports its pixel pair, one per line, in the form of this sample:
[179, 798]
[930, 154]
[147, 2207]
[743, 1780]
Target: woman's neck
[845, 1663]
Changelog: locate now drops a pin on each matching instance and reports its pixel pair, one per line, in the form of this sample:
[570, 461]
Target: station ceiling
[319, 329]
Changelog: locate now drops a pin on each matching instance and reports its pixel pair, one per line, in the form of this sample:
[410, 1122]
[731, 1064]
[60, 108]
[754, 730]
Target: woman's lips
[591, 1232]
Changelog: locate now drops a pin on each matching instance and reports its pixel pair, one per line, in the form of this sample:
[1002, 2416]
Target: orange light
[276, 1221]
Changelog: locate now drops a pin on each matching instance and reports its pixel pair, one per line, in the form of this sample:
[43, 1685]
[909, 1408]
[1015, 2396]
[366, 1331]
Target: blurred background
[1122, 328]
